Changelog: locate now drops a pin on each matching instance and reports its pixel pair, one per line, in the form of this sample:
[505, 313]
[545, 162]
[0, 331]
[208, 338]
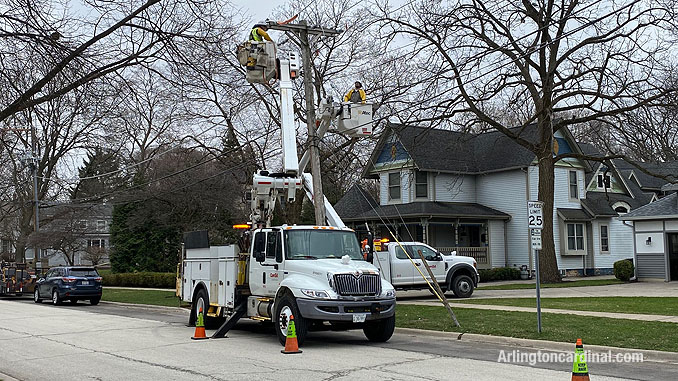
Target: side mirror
[370, 248]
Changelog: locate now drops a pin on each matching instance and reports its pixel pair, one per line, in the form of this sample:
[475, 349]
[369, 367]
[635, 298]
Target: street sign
[535, 215]
[535, 238]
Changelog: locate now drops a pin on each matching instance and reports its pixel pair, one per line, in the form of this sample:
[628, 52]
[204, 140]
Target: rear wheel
[95, 301]
[56, 300]
[379, 331]
[462, 286]
[286, 307]
[36, 296]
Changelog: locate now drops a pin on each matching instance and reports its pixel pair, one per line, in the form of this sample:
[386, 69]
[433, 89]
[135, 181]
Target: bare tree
[534, 60]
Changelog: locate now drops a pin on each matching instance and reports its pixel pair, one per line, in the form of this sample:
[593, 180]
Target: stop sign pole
[535, 222]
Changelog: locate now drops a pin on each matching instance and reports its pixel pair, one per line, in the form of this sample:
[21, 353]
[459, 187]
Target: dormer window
[394, 186]
[621, 207]
[604, 181]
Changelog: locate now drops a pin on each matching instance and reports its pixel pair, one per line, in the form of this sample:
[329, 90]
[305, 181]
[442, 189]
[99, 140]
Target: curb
[5, 377]
[146, 306]
[648, 355]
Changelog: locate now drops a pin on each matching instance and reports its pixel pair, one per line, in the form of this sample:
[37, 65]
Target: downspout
[506, 261]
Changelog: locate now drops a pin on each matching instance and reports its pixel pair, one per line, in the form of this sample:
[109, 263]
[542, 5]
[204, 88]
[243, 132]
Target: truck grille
[350, 285]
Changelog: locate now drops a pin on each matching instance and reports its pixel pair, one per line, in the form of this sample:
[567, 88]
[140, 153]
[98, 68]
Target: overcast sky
[257, 9]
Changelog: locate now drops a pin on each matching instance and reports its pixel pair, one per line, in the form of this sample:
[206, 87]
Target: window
[621, 210]
[82, 224]
[421, 184]
[604, 238]
[574, 188]
[621, 207]
[575, 237]
[6, 246]
[101, 225]
[400, 254]
[394, 186]
[604, 180]
[429, 254]
[272, 244]
[96, 243]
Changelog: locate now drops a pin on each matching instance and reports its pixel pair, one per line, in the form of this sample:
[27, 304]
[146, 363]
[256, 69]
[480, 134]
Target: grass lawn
[152, 297]
[570, 283]
[631, 305]
[556, 327]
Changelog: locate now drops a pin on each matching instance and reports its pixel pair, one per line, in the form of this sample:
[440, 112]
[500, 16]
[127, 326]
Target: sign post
[535, 222]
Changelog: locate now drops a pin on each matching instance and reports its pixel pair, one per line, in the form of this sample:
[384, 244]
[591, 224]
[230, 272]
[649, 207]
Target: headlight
[388, 294]
[315, 294]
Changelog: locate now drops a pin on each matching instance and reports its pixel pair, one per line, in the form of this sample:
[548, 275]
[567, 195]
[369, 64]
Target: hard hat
[260, 24]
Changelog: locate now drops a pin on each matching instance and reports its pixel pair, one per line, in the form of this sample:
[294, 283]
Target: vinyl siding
[505, 191]
[620, 242]
[497, 247]
[454, 188]
[406, 178]
[383, 188]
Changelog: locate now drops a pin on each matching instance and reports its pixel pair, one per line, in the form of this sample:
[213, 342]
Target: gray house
[468, 192]
[655, 231]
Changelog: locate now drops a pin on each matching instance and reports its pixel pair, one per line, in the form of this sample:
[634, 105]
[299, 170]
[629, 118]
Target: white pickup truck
[454, 273]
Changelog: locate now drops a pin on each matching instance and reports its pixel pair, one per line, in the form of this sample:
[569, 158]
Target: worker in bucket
[259, 32]
[356, 94]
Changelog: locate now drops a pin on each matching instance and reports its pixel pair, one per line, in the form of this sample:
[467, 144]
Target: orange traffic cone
[291, 345]
[580, 371]
[199, 327]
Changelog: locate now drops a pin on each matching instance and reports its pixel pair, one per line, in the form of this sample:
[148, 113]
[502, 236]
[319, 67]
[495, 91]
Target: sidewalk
[612, 315]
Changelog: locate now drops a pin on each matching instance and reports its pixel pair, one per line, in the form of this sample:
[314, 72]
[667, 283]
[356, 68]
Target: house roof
[426, 209]
[570, 214]
[669, 168]
[666, 207]
[355, 202]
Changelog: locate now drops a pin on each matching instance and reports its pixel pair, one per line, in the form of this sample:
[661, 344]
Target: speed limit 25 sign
[535, 215]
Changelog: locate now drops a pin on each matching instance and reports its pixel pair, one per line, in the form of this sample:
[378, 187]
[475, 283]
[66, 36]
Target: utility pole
[302, 31]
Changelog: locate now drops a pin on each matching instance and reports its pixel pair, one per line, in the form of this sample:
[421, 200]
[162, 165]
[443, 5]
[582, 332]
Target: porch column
[456, 233]
[424, 227]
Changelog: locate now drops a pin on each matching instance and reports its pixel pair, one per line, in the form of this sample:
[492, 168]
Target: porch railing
[477, 253]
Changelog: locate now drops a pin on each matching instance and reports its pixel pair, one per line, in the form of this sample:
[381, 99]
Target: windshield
[83, 272]
[321, 244]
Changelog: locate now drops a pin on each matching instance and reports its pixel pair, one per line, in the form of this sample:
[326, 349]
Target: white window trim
[603, 187]
[600, 237]
[388, 187]
[569, 193]
[622, 204]
[565, 236]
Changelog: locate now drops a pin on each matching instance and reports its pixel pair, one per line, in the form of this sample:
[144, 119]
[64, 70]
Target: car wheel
[36, 296]
[95, 301]
[285, 307]
[379, 331]
[56, 300]
[463, 286]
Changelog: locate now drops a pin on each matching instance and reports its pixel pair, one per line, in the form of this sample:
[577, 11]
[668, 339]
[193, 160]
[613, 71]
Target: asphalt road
[115, 342]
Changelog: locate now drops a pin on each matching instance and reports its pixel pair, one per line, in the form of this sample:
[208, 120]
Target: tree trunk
[548, 265]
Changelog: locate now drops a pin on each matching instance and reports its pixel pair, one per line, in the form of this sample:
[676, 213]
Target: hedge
[144, 279]
[499, 273]
[623, 270]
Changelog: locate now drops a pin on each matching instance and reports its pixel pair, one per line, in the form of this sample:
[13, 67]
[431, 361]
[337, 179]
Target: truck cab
[454, 273]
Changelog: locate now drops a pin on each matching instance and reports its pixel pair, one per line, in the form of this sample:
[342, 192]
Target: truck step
[239, 312]
[260, 318]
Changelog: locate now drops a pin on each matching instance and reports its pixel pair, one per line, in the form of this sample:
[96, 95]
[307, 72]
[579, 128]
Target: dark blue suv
[69, 283]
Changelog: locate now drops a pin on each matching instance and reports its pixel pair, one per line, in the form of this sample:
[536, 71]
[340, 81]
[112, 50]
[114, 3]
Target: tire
[95, 301]
[462, 286]
[284, 307]
[36, 296]
[379, 331]
[56, 300]
[202, 300]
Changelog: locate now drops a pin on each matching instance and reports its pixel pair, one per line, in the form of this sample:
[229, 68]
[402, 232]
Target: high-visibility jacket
[355, 96]
[258, 34]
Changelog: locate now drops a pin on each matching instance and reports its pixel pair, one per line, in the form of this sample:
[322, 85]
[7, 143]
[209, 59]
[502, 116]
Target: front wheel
[36, 296]
[379, 331]
[462, 286]
[285, 307]
[202, 301]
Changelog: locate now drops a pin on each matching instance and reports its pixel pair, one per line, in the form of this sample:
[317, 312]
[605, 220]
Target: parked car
[69, 283]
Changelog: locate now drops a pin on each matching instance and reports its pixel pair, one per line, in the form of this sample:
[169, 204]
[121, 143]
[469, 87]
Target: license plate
[84, 282]
[359, 318]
